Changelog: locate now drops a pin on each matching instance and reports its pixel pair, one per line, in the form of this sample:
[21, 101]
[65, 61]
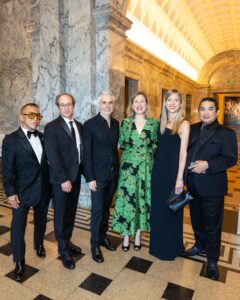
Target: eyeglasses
[32, 115]
[65, 105]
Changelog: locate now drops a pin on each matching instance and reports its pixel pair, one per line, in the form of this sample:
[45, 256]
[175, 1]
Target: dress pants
[65, 207]
[207, 218]
[101, 203]
[18, 227]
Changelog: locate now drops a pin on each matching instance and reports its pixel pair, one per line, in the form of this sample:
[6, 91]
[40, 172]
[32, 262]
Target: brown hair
[65, 94]
[130, 111]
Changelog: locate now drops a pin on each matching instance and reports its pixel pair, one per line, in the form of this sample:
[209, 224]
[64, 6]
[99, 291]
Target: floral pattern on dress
[132, 209]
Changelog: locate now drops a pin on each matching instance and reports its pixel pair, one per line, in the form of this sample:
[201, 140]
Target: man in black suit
[63, 149]
[101, 166]
[212, 150]
[26, 183]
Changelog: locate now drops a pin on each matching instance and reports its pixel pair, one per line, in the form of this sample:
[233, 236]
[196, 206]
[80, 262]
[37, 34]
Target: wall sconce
[29, 27]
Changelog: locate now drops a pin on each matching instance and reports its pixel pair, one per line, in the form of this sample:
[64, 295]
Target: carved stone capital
[108, 17]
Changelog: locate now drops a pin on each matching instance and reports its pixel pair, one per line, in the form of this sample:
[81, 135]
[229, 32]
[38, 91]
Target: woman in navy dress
[166, 236]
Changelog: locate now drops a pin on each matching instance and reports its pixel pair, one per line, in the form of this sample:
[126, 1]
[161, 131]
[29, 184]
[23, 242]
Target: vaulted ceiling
[195, 30]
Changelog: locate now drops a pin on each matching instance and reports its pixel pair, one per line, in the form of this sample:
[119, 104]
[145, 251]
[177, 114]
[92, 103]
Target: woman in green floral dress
[138, 137]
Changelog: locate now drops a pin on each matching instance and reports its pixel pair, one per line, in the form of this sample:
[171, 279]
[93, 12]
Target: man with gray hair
[101, 166]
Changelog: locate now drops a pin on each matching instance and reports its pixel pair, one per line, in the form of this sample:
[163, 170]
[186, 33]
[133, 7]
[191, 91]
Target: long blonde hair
[164, 115]
[130, 111]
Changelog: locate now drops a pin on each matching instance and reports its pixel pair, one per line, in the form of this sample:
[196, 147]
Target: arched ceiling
[195, 30]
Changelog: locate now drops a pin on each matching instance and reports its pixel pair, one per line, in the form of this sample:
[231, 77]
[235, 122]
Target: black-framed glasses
[32, 115]
[63, 105]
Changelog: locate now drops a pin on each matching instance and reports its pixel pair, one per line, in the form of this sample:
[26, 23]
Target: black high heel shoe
[125, 248]
[137, 247]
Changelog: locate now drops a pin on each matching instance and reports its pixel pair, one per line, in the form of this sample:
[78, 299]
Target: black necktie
[73, 131]
[29, 133]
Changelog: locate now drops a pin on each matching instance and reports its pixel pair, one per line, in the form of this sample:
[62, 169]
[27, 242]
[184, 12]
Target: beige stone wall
[154, 75]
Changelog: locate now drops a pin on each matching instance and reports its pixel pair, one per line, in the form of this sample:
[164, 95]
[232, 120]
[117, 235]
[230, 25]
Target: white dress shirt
[78, 140]
[35, 143]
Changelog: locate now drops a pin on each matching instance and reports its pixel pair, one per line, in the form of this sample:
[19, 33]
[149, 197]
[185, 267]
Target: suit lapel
[205, 138]
[195, 135]
[65, 126]
[40, 135]
[25, 144]
[79, 127]
[114, 136]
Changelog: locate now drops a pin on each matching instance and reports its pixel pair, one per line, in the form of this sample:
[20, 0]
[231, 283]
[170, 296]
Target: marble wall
[15, 62]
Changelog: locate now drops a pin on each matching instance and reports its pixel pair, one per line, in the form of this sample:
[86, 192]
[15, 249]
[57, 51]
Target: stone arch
[217, 64]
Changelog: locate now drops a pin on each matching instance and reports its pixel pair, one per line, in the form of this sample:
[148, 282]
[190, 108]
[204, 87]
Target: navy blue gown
[166, 235]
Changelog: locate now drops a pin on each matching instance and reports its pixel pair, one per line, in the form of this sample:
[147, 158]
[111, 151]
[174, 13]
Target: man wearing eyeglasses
[26, 183]
[63, 149]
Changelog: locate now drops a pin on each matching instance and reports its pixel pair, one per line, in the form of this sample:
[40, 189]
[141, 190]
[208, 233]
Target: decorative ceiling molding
[196, 30]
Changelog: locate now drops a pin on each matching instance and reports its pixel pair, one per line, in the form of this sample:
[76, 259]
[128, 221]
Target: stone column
[47, 58]
[110, 27]
[80, 68]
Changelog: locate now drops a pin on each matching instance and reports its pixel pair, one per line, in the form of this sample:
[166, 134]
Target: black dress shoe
[212, 271]
[194, 251]
[74, 250]
[68, 263]
[41, 252]
[97, 255]
[107, 244]
[19, 270]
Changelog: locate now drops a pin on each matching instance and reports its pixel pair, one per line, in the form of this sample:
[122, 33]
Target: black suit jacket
[100, 149]
[22, 173]
[61, 150]
[219, 148]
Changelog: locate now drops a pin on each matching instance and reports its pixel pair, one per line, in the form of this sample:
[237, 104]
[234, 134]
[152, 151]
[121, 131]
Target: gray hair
[105, 93]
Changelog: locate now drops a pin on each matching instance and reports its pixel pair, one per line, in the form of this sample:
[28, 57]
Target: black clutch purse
[177, 201]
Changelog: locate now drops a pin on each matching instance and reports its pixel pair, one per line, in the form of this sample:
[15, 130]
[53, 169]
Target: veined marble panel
[80, 65]
[47, 59]
[15, 63]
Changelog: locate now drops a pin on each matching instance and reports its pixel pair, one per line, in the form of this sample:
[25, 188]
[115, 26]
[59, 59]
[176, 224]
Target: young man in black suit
[26, 183]
[101, 167]
[212, 150]
[63, 148]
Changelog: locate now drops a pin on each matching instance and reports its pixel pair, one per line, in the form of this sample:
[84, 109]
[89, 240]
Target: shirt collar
[25, 130]
[67, 120]
[210, 126]
[103, 119]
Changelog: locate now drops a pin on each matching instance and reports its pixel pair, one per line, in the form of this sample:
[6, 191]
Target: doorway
[131, 88]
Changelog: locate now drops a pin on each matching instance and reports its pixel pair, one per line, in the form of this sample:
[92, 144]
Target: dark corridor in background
[188, 107]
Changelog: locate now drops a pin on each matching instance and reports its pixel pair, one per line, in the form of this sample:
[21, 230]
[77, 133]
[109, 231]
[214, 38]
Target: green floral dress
[132, 209]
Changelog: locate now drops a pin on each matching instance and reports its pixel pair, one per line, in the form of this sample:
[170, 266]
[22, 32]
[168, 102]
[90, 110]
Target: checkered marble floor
[131, 275]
